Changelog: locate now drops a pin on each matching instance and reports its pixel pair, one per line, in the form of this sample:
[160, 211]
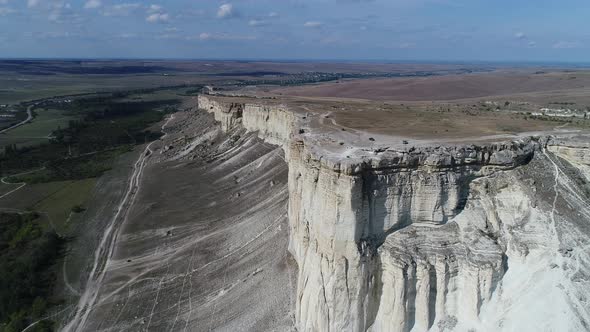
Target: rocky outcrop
[274, 124]
[228, 114]
[435, 275]
[383, 241]
[574, 150]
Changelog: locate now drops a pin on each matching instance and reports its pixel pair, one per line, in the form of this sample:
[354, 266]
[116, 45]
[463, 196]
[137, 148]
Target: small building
[564, 113]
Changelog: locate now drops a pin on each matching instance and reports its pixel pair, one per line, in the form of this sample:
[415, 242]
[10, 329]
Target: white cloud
[123, 9]
[520, 35]
[60, 12]
[566, 44]
[93, 4]
[157, 14]
[158, 18]
[52, 34]
[154, 8]
[205, 36]
[127, 35]
[33, 3]
[312, 24]
[168, 36]
[3, 2]
[524, 39]
[226, 11]
[257, 23]
[273, 14]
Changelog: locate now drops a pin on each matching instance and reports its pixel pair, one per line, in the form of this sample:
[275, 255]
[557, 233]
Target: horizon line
[309, 60]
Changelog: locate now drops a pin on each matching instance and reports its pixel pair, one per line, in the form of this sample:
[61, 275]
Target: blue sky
[493, 30]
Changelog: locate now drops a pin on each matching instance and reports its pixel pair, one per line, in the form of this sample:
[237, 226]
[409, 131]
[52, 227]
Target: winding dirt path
[21, 184]
[555, 185]
[106, 246]
[27, 120]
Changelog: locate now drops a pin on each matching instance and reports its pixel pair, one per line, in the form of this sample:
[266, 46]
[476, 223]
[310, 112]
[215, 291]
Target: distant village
[10, 112]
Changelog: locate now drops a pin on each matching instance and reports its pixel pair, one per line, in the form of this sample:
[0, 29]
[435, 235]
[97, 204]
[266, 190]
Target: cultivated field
[38, 130]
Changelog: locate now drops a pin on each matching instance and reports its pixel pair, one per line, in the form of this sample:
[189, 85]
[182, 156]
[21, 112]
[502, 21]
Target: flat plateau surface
[423, 121]
[370, 123]
[446, 87]
[445, 107]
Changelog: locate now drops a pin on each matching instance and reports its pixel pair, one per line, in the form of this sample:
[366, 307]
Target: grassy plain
[15, 89]
[52, 199]
[61, 203]
[39, 129]
[450, 87]
[71, 144]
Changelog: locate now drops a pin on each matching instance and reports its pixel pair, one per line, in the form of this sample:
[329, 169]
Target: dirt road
[27, 120]
[20, 184]
[105, 249]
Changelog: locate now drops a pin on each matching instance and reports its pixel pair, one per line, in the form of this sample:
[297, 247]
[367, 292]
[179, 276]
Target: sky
[409, 30]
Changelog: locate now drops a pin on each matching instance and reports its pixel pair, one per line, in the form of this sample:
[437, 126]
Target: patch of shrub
[27, 256]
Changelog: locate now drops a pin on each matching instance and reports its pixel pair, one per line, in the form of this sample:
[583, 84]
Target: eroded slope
[204, 246]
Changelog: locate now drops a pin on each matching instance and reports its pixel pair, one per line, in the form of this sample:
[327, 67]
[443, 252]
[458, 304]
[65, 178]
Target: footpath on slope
[106, 245]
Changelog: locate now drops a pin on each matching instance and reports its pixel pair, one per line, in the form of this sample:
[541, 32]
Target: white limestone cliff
[273, 124]
[408, 239]
[574, 151]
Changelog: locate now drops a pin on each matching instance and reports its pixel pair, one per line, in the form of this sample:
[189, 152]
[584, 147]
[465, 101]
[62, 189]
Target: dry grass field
[449, 87]
[426, 121]
[451, 106]
[460, 119]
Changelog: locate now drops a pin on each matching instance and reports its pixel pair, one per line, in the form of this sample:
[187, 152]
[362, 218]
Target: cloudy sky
[502, 30]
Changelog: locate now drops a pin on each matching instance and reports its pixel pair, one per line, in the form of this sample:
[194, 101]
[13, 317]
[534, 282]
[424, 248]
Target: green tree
[17, 322]
[38, 308]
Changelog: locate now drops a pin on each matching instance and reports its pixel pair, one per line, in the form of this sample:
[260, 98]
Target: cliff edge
[482, 234]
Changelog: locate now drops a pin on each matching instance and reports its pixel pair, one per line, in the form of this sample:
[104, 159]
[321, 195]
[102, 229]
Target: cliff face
[273, 124]
[575, 151]
[375, 247]
[396, 240]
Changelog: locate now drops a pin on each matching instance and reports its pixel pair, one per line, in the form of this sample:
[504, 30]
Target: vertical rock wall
[374, 247]
[373, 239]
